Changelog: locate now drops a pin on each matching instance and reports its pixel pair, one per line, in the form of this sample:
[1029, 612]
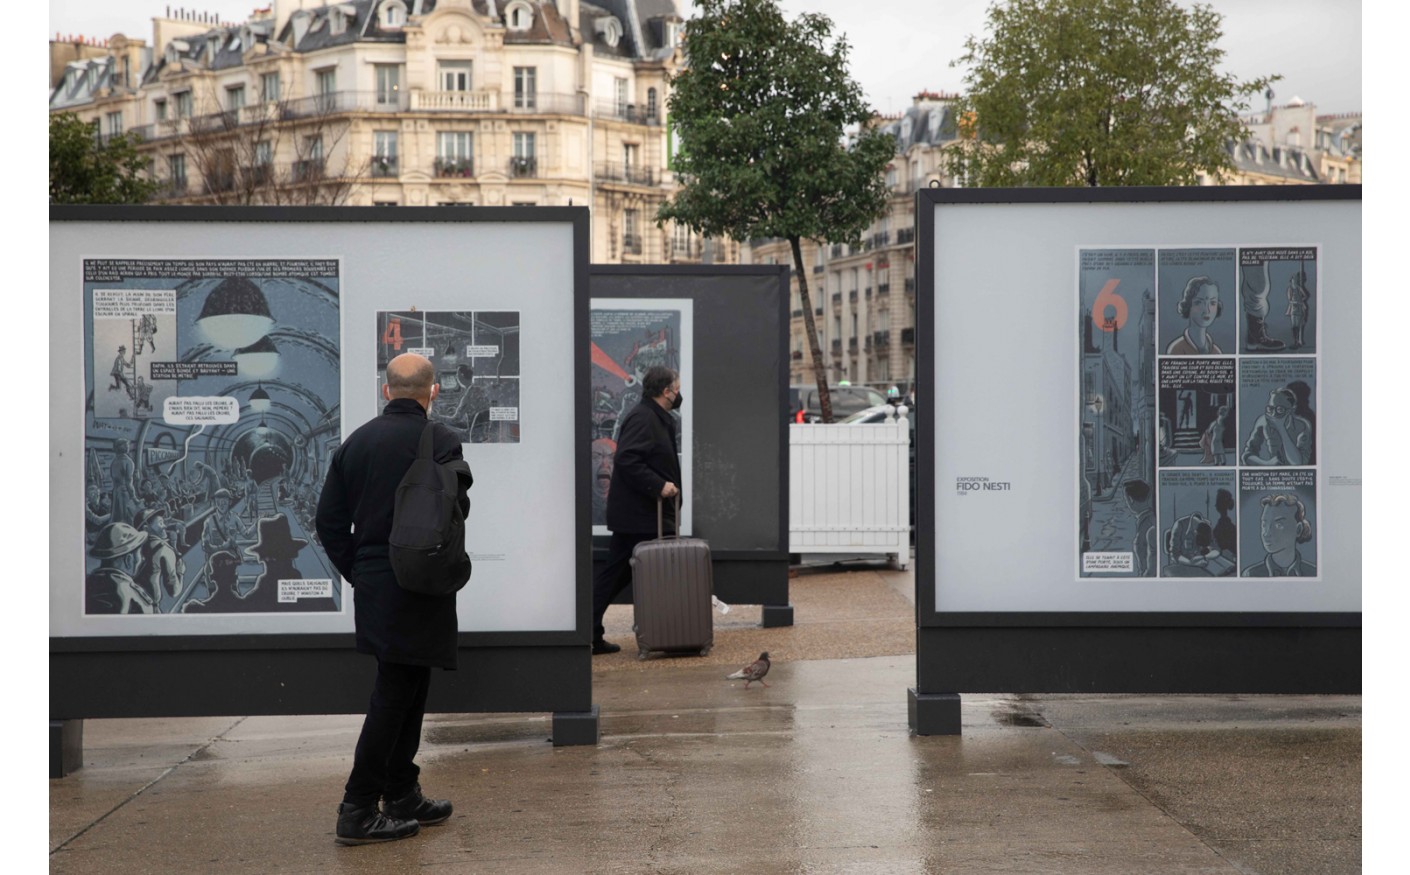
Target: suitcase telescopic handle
[660, 515]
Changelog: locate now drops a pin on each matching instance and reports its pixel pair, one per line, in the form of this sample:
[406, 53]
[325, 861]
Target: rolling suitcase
[672, 583]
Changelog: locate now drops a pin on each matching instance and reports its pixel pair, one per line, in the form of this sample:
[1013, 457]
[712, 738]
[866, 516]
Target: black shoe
[365, 824]
[418, 809]
[602, 645]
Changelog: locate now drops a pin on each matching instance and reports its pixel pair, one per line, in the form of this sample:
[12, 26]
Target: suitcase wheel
[705, 651]
[643, 653]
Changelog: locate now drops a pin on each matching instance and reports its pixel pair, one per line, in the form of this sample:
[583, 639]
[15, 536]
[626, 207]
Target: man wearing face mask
[645, 468]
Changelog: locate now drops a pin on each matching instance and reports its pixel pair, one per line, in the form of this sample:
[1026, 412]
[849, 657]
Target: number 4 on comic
[392, 336]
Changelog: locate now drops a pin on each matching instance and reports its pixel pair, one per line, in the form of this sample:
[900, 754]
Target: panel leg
[777, 615]
[65, 747]
[575, 727]
[933, 713]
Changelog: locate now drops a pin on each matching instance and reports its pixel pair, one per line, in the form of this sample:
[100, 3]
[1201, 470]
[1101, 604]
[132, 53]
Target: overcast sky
[900, 47]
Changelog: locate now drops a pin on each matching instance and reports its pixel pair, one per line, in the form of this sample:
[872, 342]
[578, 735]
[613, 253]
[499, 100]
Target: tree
[85, 168]
[1098, 92]
[763, 108]
[242, 155]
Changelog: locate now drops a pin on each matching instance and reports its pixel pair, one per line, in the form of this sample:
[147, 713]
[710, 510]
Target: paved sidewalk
[816, 773]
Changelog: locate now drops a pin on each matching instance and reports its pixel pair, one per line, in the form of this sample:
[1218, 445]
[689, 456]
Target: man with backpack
[409, 632]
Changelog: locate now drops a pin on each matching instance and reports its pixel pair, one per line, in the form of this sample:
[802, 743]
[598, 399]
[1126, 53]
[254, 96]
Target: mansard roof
[929, 123]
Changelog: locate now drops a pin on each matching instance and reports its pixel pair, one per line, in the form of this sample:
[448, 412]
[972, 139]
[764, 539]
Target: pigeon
[754, 671]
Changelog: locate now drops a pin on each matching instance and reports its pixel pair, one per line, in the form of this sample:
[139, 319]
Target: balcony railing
[881, 238]
[798, 313]
[257, 175]
[910, 284]
[881, 338]
[836, 250]
[836, 297]
[308, 170]
[631, 244]
[837, 346]
[338, 102]
[521, 167]
[797, 354]
[852, 344]
[631, 174]
[220, 181]
[908, 335]
[906, 235]
[625, 112]
[454, 167]
[454, 101]
[883, 288]
[817, 268]
[385, 167]
[852, 296]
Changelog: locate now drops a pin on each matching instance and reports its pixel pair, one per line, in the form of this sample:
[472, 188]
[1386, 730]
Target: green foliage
[1098, 92]
[761, 109]
[83, 170]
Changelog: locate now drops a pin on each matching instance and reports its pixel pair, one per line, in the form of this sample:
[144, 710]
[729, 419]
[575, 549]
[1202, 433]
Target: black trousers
[615, 576]
[384, 763]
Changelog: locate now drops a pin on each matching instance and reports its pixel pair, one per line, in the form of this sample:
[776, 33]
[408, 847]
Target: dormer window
[393, 14]
[610, 29]
[300, 21]
[673, 33]
[519, 16]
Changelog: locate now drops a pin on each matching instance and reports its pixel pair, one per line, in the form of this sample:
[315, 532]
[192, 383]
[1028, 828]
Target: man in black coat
[408, 632]
[646, 467]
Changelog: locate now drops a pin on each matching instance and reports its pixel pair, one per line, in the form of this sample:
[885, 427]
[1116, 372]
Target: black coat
[646, 460]
[354, 521]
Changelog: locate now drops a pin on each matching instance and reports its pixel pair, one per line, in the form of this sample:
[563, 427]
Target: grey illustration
[1196, 426]
[1196, 288]
[1277, 290]
[1117, 405]
[1199, 534]
[476, 356]
[1276, 398]
[1285, 533]
[208, 431]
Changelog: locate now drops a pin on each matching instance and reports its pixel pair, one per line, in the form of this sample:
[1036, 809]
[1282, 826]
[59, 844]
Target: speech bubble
[200, 410]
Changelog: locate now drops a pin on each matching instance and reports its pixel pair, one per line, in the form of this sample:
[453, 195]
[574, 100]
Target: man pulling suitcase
[645, 470]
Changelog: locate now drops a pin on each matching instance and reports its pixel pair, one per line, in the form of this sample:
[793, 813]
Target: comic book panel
[1116, 404]
[1278, 509]
[213, 410]
[1198, 523]
[1197, 310]
[476, 356]
[1277, 411]
[626, 343]
[1196, 426]
[1278, 288]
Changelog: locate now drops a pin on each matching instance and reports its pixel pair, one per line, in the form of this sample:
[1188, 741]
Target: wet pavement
[816, 773]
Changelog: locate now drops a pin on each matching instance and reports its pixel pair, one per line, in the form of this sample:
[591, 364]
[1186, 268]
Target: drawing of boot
[1258, 339]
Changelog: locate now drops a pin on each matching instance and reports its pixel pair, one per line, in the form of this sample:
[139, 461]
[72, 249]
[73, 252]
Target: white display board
[1044, 412]
[522, 527]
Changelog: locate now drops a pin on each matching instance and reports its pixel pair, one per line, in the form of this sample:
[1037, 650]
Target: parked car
[846, 400]
[880, 413]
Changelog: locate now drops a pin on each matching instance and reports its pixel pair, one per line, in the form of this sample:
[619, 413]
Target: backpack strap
[427, 449]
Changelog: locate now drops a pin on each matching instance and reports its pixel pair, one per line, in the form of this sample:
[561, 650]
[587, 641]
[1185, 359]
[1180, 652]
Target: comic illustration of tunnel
[476, 356]
[213, 407]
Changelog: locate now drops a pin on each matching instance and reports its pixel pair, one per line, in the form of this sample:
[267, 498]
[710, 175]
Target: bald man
[409, 633]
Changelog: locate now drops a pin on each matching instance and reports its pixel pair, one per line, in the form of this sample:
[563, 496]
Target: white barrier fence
[849, 489]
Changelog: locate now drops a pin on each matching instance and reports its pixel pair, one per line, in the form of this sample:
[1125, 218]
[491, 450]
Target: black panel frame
[752, 577]
[1112, 652]
[320, 673]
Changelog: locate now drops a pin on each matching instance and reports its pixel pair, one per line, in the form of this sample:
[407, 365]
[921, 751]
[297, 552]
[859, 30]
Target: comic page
[476, 356]
[1224, 385]
[1278, 288]
[212, 410]
[629, 337]
[1199, 534]
[1117, 412]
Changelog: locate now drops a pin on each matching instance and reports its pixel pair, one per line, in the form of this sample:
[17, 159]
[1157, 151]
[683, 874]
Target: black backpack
[427, 543]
